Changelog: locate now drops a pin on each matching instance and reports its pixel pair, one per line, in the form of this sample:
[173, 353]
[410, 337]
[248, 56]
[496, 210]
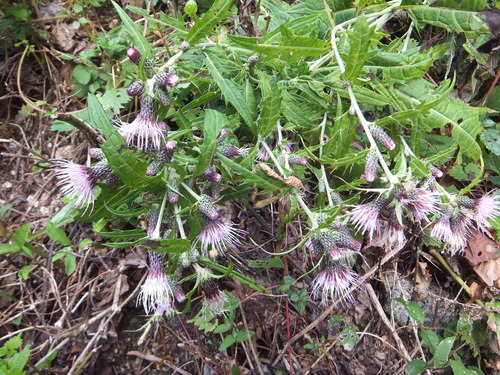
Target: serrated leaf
[460, 21]
[122, 234]
[359, 43]
[19, 360]
[204, 26]
[163, 20]
[57, 234]
[274, 262]
[491, 139]
[213, 123]
[269, 106]
[251, 177]
[233, 93]
[133, 30]
[297, 48]
[61, 126]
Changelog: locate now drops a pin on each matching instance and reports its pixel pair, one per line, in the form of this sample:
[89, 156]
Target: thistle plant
[341, 140]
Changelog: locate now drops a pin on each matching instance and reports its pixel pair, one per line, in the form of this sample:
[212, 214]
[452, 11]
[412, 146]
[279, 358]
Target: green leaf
[24, 272]
[19, 360]
[491, 139]
[82, 74]
[242, 335]
[413, 309]
[269, 106]
[205, 25]
[358, 54]
[416, 366]
[348, 338]
[430, 338]
[122, 234]
[227, 342]
[133, 29]
[256, 178]
[164, 20]
[292, 47]
[21, 234]
[61, 126]
[213, 123]
[233, 93]
[57, 234]
[460, 21]
[442, 351]
[69, 263]
[6, 249]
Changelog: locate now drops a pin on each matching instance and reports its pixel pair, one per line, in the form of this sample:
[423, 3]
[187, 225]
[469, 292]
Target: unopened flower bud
[381, 136]
[211, 176]
[136, 88]
[207, 207]
[293, 160]
[185, 46]
[436, 172]
[96, 153]
[100, 169]
[134, 55]
[173, 197]
[152, 218]
[223, 134]
[163, 96]
[153, 168]
[252, 60]
[170, 146]
[172, 80]
[231, 151]
[112, 179]
[371, 163]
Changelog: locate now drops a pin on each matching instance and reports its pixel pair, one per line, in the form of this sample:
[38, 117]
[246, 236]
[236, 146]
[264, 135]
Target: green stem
[188, 189]
[156, 233]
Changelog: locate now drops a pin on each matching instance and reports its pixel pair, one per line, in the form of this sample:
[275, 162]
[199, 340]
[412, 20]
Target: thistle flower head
[485, 208]
[223, 134]
[367, 216]
[333, 283]
[392, 235]
[156, 293]
[452, 230]
[215, 299]
[418, 201]
[185, 46]
[220, 235]
[207, 207]
[144, 132]
[152, 218]
[381, 136]
[76, 181]
[262, 155]
[252, 60]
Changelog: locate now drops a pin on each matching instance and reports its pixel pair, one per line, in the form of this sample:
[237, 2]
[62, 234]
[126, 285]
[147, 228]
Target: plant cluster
[326, 109]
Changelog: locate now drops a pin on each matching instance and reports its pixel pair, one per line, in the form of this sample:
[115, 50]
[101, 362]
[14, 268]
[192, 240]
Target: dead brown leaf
[422, 280]
[290, 181]
[489, 272]
[480, 249]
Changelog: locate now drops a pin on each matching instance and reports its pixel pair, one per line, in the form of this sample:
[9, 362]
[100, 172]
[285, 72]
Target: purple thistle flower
[156, 293]
[452, 230]
[381, 136]
[262, 155]
[220, 235]
[436, 172]
[215, 299]
[144, 132]
[77, 181]
[392, 235]
[486, 207]
[367, 216]
[333, 283]
[418, 201]
[173, 197]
